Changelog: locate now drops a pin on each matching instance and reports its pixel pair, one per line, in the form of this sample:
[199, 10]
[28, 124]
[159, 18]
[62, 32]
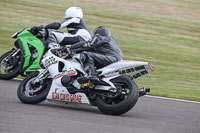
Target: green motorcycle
[25, 58]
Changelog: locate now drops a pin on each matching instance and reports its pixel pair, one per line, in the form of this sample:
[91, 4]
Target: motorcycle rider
[106, 51]
[76, 27]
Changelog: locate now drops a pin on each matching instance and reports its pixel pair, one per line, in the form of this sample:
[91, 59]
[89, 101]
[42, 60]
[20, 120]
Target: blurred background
[165, 33]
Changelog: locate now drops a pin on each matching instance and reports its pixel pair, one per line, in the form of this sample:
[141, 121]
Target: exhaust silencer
[143, 91]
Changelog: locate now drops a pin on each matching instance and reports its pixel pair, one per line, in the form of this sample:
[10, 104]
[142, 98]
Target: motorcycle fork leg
[42, 75]
[16, 52]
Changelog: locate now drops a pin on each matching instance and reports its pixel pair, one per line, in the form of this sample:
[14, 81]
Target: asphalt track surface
[150, 115]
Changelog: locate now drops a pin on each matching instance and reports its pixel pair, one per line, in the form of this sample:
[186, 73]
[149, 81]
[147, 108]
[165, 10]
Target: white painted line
[18, 79]
[173, 99]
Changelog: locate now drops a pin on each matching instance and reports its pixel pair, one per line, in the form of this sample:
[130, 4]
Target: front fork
[9, 59]
[15, 52]
[41, 76]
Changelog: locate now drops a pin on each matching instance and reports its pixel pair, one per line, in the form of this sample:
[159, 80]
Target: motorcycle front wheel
[33, 94]
[10, 66]
[123, 102]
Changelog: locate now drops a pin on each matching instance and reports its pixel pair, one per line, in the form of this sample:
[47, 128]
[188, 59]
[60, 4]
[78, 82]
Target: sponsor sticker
[134, 69]
[67, 97]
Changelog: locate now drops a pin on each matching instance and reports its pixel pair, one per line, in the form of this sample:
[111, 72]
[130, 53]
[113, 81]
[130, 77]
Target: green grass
[165, 33]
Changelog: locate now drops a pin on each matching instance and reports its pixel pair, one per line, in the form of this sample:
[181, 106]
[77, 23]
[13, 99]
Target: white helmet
[74, 12]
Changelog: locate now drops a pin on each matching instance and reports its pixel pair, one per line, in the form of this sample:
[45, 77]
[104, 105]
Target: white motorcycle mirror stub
[15, 35]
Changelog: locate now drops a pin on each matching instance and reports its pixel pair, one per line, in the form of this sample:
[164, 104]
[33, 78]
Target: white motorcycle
[115, 92]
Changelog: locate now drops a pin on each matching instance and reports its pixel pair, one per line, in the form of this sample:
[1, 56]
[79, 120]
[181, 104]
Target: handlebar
[62, 52]
[36, 31]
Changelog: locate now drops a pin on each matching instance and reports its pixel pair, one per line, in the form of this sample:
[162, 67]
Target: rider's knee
[85, 58]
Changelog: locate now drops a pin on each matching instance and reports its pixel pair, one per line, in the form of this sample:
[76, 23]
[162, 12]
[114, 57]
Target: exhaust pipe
[143, 91]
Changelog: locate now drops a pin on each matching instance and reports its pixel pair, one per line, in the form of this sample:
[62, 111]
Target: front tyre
[27, 93]
[10, 66]
[123, 102]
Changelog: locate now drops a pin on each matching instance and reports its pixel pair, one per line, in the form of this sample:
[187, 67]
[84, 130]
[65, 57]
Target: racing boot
[91, 71]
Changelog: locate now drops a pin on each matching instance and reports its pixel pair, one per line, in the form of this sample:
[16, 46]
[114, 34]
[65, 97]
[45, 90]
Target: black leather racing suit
[106, 51]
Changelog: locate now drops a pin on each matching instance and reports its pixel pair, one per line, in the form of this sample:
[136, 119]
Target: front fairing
[30, 43]
[25, 34]
[52, 63]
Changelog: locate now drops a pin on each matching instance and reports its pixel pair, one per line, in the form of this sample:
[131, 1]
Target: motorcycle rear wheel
[122, 103]
[14, 72]
[33, 95]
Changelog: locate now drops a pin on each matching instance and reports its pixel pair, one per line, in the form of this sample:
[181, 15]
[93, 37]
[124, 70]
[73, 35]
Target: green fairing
[27, 38]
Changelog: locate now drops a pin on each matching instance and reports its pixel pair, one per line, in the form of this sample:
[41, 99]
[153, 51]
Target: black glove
[67, 49]
[34, 30]
[41, 27]
[68, 46]
[98, 40]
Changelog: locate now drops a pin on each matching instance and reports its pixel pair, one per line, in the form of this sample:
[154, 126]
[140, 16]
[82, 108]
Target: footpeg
[89, 83]
[83, 80]
[143, 91]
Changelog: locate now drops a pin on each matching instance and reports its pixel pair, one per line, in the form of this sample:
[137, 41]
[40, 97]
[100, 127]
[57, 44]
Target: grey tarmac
[150, 115]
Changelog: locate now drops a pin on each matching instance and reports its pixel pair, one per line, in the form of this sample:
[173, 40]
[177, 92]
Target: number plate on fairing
[50, 61]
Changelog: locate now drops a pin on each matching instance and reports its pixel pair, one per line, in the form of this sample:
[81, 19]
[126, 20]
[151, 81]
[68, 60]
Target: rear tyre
[15, 66]
[122, 103]
[33, 95]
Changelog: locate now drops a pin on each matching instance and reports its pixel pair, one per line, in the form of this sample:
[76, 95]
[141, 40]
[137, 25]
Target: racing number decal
[50, 61]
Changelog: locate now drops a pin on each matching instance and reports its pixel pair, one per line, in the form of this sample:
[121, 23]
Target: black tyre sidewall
[36, 99]
[125, 105]
[13, 74]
